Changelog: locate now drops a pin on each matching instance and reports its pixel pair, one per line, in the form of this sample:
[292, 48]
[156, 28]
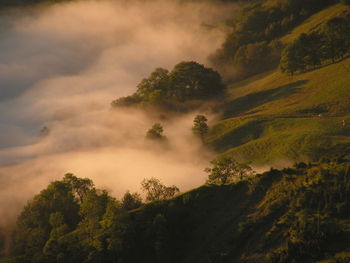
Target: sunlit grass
[277, 116]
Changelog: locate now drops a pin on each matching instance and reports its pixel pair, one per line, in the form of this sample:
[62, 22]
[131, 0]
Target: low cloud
[62, 65]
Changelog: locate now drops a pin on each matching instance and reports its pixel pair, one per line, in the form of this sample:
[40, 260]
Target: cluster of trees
[200, 129]
[187, 81]
[319, 196]
[251, 46]
[156, 191]
[72, 221]
[226, 170]
[331, 43]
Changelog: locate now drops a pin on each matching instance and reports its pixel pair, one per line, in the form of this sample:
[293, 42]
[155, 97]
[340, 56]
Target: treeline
[187, 81]
[298, 214]
[72, 221]
[252, 47]
[331, 43]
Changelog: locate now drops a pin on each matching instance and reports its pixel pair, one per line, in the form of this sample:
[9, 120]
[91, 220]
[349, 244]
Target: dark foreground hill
[299, 214]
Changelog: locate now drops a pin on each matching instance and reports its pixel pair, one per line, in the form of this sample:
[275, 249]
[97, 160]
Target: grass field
[274, 116]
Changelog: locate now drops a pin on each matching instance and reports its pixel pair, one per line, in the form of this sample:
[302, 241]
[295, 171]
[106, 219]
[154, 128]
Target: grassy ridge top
[315, 21]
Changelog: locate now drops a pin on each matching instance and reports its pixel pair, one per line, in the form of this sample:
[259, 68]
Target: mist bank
[60, 67]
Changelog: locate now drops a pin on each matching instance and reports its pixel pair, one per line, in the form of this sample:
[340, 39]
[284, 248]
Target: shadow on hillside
[240, 135]
[257, 99]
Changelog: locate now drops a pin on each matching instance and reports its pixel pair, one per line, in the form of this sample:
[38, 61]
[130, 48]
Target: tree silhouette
[200, 126]
[156, 132]
[226, 170]
[156, 191]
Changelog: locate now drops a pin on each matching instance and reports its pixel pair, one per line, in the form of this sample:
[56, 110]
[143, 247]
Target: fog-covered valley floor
[62, 65]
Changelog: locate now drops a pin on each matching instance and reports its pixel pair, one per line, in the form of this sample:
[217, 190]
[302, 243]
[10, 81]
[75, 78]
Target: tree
[291, 59]
[126, 101]
[54, 247]
[311, 45]
[80, 186]
[190, 80]
[156, 191]
[157, 81]
[90, 230]
[56, 226]
[337, 40]
[161, 233]
[156, 132]
[37, 222]
[226, 170]
[254, 58]
[45, 131]
[200, 126]
[131, 201]
[114, 225]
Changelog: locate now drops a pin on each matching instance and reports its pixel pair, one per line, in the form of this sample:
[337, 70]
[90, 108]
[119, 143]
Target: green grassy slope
[273, 116]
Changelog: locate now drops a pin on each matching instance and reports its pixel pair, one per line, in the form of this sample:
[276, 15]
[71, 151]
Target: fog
[62, 65]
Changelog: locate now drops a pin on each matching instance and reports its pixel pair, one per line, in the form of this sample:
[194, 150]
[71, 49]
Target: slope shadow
[239, 136]
[257, 99]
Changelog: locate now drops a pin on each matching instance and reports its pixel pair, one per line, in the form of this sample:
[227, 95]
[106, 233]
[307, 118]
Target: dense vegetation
[299, 214]
[72, 221]
[253, 45]
[311, 50]
[187, 81]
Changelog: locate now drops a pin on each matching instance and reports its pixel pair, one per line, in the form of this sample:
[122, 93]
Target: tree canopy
[156, 132]
[332, 43]
[156, 191]
[131, 201]
[190, 80]
[187, 81]
[200, 126]
[227, 170]
[252, 46]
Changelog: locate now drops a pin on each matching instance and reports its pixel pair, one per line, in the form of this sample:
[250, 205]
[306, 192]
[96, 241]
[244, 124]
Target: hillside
[274, 117]
[278, 117]
[315, 21]
[299, 214]
[280, 216]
